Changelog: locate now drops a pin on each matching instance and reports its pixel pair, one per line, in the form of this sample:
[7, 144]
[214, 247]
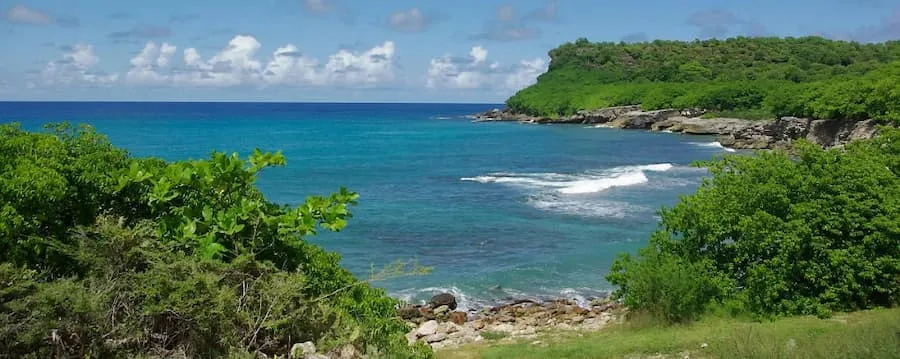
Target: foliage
[105, 255]
[806, 235]
[851, 80]
[666, 286]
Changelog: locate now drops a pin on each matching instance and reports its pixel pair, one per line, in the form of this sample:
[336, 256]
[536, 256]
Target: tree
[781, 235]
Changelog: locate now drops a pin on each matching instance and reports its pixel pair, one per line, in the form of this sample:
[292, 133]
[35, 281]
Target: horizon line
[252, 101]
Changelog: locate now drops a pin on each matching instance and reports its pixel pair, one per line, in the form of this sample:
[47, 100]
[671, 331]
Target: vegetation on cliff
[754, 77]
[776, 235]
[106, 255]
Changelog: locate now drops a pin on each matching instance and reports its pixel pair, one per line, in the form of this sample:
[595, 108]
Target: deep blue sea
[498, 210]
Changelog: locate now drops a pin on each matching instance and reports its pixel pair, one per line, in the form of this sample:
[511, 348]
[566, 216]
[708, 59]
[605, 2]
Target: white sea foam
[583, 207]
[597, 185]
[571, 193]
[714, 145]
[588, 182]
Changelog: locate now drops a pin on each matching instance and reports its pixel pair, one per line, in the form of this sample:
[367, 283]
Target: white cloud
[76, 67]
[144, 66]
[237, 65]
[476, 72]
[526, 73]
[478, 54]
[21, 14]
[412, 20]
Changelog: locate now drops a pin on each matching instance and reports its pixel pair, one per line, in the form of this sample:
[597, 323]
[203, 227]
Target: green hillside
[760, 77]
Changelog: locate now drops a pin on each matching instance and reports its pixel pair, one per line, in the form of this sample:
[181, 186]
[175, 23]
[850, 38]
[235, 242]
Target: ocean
[498, 210]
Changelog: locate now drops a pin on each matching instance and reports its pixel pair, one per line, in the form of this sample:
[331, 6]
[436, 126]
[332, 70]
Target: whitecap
[576, 205]
[714, 145]
[597, 185]
[574, 193]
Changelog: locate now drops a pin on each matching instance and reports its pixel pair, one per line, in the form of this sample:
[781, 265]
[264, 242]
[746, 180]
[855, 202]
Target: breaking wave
[588, 182]
[713, 145]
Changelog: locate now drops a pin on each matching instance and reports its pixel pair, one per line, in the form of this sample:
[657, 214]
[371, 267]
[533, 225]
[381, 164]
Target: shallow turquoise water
[497, 209]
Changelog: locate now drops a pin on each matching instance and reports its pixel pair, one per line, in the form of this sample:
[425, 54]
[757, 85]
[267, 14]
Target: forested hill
[760, 77]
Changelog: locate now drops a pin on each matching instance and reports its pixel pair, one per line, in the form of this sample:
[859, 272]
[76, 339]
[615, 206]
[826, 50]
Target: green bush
[810, 234]
[666, 286]
[156, 259]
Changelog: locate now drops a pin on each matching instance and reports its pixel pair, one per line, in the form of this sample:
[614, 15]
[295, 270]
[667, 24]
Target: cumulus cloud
[23, 15]
[412, 20]
[718, 23]
[476, 72]
[508, 25]
[75, 67]
[237, 65]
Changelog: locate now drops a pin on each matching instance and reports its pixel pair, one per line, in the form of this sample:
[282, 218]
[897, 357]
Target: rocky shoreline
[731, 132]
[440, 325]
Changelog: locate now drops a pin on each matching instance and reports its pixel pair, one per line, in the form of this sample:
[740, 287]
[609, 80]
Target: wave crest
[588, 182]
[716, 144]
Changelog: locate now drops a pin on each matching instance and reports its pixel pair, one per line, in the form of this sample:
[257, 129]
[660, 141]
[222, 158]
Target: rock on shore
[732, 132]
[441, 327]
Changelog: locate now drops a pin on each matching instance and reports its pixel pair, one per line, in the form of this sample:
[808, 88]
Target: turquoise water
[498, 210]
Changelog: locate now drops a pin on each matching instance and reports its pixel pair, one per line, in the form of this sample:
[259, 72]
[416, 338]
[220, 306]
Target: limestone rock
[458, 317]
[301, 350]
[642, 119]
[345, 352]
[428, 328]
[439, 311]
[437, 337]
[409, 312]
[411, 337]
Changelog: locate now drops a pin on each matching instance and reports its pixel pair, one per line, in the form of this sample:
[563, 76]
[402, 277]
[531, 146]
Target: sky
[361, 51]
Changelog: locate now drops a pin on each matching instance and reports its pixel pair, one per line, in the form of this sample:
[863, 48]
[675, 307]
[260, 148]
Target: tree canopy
[741, 74]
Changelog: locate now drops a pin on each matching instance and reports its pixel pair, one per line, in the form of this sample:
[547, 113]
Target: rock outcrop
[443, 299]
[516, 320]
[642, 119]
[732, 132]
[783, 132]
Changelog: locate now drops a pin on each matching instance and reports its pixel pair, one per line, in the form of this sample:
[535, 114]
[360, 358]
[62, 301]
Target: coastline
[733, 133]
[441, 323]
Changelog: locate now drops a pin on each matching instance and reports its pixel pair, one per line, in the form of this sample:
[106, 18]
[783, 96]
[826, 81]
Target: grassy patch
[489, 335]
[870, 334]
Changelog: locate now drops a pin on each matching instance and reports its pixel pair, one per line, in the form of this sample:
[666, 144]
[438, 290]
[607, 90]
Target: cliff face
[732, 132]
[782, 132]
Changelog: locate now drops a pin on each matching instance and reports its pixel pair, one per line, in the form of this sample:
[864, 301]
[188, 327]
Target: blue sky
[376, 50]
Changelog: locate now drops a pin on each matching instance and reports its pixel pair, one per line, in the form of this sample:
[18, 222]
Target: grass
[489, 335]
[870, 334]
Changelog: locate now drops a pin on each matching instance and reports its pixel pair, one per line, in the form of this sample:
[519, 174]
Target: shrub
[158, 259]
[806, 235]
[666, 286]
